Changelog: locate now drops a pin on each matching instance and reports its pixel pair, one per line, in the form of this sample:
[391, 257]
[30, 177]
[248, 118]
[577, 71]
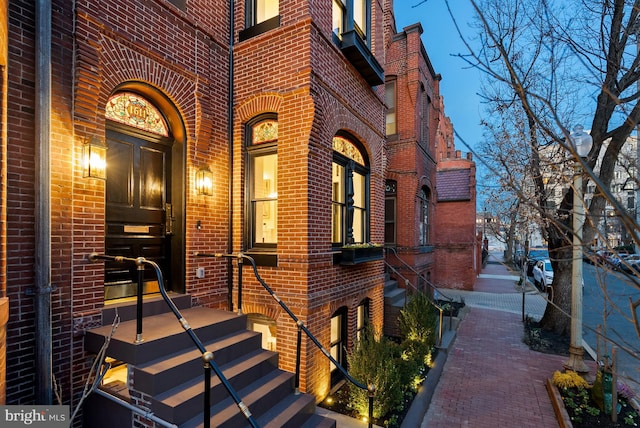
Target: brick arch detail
[269, 310]
[114, 62]
[334, 116]
[262, 103]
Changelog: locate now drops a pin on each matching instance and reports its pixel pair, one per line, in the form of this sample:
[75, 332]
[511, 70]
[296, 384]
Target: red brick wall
[179, 59]
[411, 161]
[315, 93]
[455, 233]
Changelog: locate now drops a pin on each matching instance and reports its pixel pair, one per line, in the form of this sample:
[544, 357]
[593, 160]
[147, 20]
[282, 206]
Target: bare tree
[549, 66]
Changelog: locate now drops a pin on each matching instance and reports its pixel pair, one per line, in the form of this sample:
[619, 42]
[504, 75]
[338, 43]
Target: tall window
[258, 11]
[260, 16]
[338, 343]
[361, 18]
[423, 229]
[262, 182]
[390, 200]
[425, 104]
[390, 100]
[350, 198]
[362, 320]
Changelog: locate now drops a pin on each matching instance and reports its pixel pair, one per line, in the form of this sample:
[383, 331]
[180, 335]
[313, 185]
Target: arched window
[350, 195]
[390, 214]
[262, 182]
[423, 229]
[362, 320]
[133, 110]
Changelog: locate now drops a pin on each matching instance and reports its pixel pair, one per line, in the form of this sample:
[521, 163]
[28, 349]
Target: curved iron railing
[301, 327]
[207, 356]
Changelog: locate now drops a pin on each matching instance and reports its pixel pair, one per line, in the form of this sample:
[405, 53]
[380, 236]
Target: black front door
[139, 218]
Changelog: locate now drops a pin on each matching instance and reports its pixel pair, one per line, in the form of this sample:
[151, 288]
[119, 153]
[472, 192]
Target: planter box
[354, 256]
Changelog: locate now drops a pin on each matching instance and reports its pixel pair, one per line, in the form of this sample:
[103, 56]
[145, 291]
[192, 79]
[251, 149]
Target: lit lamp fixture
[94, 159]
[581, 142]
[204, 181]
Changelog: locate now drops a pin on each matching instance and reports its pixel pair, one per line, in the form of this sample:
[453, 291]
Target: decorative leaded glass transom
[133, 110]
[265, 131]
[348, 149]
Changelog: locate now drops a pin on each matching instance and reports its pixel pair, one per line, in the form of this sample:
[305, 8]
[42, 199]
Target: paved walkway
[490, 377]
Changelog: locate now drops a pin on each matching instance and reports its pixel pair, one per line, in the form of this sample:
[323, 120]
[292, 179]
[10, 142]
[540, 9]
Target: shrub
[375, 362]
[417, 320]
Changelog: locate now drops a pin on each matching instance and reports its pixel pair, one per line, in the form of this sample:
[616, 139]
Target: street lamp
[581, 142]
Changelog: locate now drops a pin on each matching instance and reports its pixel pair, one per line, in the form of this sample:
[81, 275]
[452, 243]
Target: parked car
[542, 274]
[602, 256]
[630, 263]
[535, 255]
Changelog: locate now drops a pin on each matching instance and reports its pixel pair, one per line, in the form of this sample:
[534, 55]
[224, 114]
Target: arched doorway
[144, 196]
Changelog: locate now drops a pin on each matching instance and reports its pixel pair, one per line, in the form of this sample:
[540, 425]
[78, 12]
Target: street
[612, 311]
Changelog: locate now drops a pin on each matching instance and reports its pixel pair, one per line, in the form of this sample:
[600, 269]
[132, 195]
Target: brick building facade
[284, 109]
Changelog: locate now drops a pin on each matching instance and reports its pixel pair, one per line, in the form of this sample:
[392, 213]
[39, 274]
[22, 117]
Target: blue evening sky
[460, 83]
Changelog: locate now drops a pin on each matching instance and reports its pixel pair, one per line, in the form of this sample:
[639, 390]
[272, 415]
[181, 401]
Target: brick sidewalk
[491, 379]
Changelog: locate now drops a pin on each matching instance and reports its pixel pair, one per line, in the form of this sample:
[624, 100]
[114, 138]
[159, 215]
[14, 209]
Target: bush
[418, 320]
[396, 370]
[376, 362]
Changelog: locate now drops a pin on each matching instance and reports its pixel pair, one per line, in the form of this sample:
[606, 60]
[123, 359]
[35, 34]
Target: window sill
[263, 258]
[355, 256]
[260, 28]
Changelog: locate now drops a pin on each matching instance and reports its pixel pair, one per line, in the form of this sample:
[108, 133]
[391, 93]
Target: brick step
[178, 404]
[170, 371]
[163, 334]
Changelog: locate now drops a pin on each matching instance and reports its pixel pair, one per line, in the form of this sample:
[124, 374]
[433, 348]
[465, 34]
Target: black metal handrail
[417, 290]
[418, 274]
[301, 327]
[207, 356]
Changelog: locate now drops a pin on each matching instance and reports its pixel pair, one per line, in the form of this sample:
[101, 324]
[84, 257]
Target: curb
[422, 400]
[564, 421]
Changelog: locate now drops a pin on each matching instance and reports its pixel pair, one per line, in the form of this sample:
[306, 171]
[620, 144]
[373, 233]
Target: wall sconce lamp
[204, 181]
[94, 159]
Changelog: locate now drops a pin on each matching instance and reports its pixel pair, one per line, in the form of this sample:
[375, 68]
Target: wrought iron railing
[240, 258]
[207, 356]
[418, 274]
[409, 285]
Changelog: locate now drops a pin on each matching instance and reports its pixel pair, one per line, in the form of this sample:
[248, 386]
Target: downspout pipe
[42, 274]
[230, 116]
